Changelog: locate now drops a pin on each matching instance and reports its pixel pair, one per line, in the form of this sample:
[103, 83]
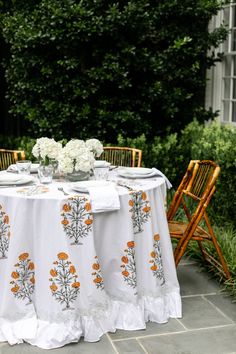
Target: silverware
[62, 190]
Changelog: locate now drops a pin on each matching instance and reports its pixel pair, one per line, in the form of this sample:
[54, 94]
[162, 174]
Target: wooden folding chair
[8, 157]
[122, 156]
[193, 196]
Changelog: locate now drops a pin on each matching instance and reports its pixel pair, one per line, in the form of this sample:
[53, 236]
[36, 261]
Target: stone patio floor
[208, 325]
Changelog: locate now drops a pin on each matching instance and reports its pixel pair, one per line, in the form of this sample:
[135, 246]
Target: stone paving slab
[199, 313]
[220, 340]
[194, 281]
[224, 303]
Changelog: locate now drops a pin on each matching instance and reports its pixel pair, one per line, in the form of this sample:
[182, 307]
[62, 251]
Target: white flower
[46, 148]
[95, 146]
[75, 156]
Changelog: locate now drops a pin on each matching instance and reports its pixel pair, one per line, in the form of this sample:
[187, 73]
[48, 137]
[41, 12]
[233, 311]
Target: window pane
[233, 17]
[227, 65]
[227, 88]
[226, 112]
[234, 112]
[226, 15]
[234, 88]
[233, 42]
[234, 64]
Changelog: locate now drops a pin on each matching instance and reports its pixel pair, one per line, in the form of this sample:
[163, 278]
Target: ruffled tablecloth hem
[119, 315]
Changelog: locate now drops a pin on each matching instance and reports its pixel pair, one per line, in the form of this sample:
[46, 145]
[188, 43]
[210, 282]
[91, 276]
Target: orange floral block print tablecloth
[67, 273]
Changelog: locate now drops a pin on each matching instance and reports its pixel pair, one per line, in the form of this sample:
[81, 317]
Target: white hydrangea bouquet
[78, 155]
[46, 149]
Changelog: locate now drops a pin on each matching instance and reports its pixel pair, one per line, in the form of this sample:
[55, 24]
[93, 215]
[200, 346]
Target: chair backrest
[8, 157]
[122, 156]
[197, 184]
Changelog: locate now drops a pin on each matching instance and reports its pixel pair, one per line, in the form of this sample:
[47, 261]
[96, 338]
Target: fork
[62, 190]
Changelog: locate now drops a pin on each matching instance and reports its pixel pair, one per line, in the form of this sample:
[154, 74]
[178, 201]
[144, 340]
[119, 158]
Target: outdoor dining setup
[85, 244]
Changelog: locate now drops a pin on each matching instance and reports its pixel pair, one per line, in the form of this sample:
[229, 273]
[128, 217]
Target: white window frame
[218, 84]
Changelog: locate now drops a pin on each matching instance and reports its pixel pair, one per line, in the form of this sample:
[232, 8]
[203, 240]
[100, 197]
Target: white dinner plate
[83, 186]
[12, 179]
[135, 172]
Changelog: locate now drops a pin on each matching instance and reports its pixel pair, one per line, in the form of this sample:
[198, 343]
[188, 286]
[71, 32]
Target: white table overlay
[67, 273]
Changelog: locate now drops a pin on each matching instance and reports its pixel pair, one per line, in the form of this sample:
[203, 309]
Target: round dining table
[67, 271]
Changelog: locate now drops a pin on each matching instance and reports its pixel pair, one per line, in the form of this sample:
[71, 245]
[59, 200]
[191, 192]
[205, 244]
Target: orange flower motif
[72, 269]
[125, 273]
[76, 284]
[65, 222]
[66, 207]
[15, 275]
[6, 219]
[131, 203]
[146, 209]
[154, 267]
[53, 272]
[130, 244]
[96, 266]
[97, 280]
[144, 196]
[15, 289]
[23, 256]
[156, 237]
[153, 254]
[87, 206]
[32, 280]
[125, 259]
[62, 256]
[53, 287]
[88, 221]
[31, 266]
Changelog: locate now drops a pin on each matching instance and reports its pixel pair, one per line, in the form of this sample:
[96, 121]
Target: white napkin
[159, 173]
[104, 198]
[101, 163]
[12, 168]
[33, 168]
[7, 177]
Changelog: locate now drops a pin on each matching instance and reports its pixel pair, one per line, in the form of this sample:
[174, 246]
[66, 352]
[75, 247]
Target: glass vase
[78, 176]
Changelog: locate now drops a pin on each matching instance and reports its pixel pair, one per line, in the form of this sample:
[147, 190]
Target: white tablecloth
[66, 272]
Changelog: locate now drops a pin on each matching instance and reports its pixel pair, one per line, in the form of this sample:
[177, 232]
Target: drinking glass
[45, 173]
[101, 173]
[23, 166]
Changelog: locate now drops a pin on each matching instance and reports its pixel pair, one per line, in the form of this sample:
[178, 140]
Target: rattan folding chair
[122, 156]
[8, 157]
[193, 196]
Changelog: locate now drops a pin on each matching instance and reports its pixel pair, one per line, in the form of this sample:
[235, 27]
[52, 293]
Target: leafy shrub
[106, 67]
[171, 154]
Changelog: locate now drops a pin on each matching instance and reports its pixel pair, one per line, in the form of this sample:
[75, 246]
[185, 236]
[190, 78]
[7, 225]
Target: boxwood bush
[99, 68]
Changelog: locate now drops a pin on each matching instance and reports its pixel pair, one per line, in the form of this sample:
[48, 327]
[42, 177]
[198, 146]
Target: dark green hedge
[99, 68]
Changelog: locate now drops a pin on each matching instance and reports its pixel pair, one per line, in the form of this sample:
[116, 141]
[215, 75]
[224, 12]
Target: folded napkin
[33, 168]
[7, 177]
[101, 163]
[104, 198]
[159, 173]
[12, 168]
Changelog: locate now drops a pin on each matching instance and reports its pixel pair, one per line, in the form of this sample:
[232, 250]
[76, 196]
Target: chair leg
[217, 248]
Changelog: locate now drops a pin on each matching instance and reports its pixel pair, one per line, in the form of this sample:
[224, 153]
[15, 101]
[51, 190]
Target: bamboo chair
[193, 195]
[8, 157]
[122, 156]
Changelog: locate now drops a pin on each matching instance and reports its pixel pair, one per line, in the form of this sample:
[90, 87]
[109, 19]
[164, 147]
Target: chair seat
[177, 230]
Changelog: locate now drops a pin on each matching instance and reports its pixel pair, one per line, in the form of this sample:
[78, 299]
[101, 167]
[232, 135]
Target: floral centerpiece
[46, 150]
[77, 158]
